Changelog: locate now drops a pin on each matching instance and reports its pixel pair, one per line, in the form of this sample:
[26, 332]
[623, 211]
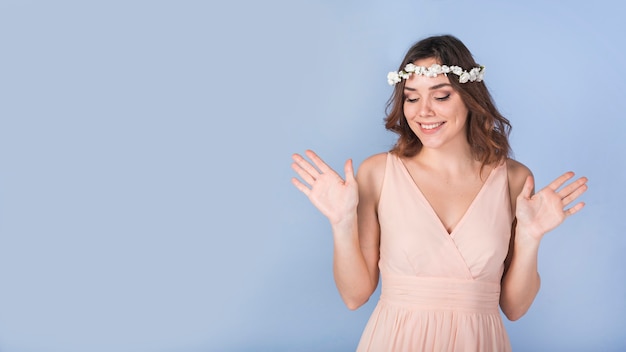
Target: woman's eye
[411, 100]
[443, 98]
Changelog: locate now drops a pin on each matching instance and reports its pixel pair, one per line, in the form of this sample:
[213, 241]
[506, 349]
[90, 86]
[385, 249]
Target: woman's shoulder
[374, 164]
[517, 170]
[372, 170]
[518, 173]
[375, 161]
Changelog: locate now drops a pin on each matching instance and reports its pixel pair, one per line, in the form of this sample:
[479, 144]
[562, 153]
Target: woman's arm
[350, 206]
[535, 215]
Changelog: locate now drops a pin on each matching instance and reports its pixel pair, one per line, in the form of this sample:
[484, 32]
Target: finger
[349, 171]
[576, 208]
[575, 194]
[572, 187]
[560, 180]
[321, 165]
[303, 173]
[306, 166]
[300, 186]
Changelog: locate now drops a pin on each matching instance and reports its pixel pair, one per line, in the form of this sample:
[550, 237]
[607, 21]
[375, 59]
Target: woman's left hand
[541, 212]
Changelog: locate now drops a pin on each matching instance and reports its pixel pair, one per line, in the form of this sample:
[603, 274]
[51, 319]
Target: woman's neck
[448, 160]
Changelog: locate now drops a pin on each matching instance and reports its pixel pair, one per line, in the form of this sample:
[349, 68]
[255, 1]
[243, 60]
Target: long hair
[487, 130]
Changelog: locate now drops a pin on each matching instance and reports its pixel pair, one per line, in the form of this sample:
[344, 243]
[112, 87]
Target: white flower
[475, 74]
[393, 78]
[481, 74]
[436, 69]
[464, 77]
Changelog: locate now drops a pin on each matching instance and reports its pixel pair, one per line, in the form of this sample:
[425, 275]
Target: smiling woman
[446, 218]
[434, 111]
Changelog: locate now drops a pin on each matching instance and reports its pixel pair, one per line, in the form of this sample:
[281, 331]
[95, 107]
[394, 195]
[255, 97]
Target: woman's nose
[425, 109]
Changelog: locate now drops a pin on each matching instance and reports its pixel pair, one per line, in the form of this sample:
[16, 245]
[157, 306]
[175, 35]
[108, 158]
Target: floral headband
[475, 74]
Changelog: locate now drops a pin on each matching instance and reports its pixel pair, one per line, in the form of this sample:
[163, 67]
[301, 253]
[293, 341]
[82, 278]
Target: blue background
[145, 201]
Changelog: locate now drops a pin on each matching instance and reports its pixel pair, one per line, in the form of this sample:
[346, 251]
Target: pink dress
[440, 291]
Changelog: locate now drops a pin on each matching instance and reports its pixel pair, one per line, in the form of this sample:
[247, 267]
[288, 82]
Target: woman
[447, 219]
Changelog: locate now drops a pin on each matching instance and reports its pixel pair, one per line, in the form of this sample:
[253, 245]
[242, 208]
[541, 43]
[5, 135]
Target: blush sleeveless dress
[440, 291]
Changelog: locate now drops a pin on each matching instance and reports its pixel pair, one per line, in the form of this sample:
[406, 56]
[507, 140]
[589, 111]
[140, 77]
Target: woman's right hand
[335, 197]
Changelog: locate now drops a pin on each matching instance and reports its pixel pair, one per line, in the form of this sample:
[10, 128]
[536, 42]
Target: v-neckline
[459, 223]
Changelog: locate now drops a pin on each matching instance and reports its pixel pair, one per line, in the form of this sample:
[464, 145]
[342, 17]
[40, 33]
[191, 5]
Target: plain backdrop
[145, 150]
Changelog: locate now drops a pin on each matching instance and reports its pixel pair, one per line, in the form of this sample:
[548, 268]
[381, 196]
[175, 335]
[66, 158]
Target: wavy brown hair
[487, 130]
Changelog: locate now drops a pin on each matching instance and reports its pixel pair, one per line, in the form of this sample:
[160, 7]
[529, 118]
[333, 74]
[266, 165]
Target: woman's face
[434, 111]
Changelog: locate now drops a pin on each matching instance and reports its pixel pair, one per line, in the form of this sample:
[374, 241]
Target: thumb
[349, 171]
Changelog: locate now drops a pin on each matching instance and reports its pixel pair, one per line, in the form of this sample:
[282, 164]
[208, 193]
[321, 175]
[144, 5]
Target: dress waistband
[427, 293]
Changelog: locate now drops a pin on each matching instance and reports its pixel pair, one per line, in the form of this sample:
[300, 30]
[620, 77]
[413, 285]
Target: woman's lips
[431, 127]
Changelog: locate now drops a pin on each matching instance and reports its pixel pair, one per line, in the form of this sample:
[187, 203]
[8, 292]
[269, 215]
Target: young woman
[450, 222]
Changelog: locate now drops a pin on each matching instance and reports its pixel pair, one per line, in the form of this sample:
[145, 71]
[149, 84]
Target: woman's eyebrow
[437, 86]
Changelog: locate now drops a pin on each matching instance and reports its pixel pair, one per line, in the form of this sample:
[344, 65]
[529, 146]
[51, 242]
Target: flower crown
[475, 74]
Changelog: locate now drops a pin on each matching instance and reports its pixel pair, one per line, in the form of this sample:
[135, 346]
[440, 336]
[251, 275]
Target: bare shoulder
[518, 173]
[373, 167]
[374, 163]
[371, 172]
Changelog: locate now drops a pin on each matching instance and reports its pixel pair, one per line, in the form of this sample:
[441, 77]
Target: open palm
[333, 196]
[545, 210]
